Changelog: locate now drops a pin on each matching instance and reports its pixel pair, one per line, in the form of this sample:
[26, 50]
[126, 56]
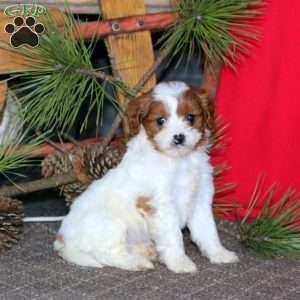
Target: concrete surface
[31, 270]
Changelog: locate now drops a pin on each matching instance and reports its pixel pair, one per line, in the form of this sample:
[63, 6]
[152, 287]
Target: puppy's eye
[161, 121]
[190, 118]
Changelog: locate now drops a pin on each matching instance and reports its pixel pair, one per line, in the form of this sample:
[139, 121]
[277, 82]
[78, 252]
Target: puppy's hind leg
[121, 258]
[139, 242]
[129, 262]
[148, 250]
[114, 250]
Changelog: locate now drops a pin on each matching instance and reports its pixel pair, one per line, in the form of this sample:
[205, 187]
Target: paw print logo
[24, 32]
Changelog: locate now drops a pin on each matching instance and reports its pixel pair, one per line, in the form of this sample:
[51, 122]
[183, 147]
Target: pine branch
[276, 230]
[60, 80]
[88, 72]
[37, 185]
[56, 181]
[11, 156]
[220, 30]
[51, 143]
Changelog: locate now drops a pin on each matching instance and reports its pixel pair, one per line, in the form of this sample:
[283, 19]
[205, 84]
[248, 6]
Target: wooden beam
[153, 22]
[131, 54]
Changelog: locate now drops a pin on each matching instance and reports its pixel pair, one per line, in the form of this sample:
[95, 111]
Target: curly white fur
[105, 226]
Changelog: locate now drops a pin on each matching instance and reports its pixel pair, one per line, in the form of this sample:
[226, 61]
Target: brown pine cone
[11, 221]
[56, 164]
[99, 161]
[88, 162]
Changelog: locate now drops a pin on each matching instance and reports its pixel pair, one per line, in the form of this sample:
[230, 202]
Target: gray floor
[31, 270]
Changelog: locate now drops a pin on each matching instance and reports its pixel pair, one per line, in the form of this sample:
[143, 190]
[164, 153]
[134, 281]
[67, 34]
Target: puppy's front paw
[223, 256]
[182, 264]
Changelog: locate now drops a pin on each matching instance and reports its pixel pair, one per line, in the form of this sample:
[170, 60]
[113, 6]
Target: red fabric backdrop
[261, 104]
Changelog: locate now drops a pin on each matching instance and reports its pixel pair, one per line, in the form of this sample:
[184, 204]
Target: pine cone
[56, 164]
[91, 161]
[11, 221]
[98, 160]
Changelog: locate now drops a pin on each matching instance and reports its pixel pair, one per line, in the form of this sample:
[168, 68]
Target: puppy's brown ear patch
[207, 104]
[137, 109]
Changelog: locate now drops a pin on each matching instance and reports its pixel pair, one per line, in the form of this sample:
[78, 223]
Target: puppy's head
[176, 118]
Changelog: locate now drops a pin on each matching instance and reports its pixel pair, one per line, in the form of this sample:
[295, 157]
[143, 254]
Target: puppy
[163, 184]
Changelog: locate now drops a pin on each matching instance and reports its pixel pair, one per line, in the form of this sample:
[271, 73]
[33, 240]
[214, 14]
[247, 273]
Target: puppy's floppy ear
[136, 111]
[208, 106]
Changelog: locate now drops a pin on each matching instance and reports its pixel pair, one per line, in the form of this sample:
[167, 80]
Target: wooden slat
[131, 54]
[152, 22]
[9, 59]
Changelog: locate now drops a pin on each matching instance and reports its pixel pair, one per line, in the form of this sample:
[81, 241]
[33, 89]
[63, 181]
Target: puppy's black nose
[178, 139]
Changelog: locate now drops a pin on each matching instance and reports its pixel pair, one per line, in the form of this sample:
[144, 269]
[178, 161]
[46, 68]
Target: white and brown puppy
[163, 184]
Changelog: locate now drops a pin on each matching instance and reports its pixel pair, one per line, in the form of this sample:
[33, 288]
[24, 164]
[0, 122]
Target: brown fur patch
[147, 250]
[137, 110]
[156, 110]
[150, 252]
[60, 239]
[144, 110]
[189, 105]
[197, 102]
[144, 207]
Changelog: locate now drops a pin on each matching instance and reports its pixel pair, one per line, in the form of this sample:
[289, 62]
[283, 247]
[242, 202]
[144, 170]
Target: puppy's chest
[183, 192]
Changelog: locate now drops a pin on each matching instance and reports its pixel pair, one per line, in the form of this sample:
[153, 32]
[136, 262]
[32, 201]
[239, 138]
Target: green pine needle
[276, 230]
[53, 90]
[219, 29]
[12, 155]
